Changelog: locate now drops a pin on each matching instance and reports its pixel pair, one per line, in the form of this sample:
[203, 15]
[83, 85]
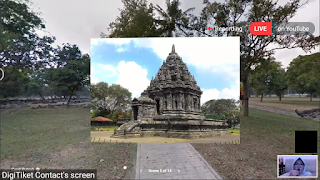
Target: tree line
[139, 18]
[114, 102]
[223, 109]
[302, 76]
[32, 65]
[111, 101]
[26, 57]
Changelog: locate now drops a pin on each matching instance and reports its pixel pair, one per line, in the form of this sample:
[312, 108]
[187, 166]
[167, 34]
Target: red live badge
[261, 28]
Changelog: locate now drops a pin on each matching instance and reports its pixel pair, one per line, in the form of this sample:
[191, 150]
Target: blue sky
[132, 62]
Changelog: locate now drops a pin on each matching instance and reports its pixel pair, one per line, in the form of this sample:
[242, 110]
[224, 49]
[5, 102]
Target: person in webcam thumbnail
[298, 169]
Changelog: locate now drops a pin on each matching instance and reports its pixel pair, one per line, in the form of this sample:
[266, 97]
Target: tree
[278, 82]
[70, 70]
[116, 115]
[260, 79]
[232, 117]
[110, 98]
[264, 76]
[174, 20]
[119, 98]
[253, 49]
[214, 116]
[94, 112]
[99, 94]
[14, 82]
[128, 113]
[21, 49]
[36, 85]
[85, 91]
[19, 44]
[291, 77]
[219, 107]
[303, 74]
[17, 20]
[135, 20]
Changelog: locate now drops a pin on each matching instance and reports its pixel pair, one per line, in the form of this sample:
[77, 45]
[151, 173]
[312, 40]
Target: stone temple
[170, 106]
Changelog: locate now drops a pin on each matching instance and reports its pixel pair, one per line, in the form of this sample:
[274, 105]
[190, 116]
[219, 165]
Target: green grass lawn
[289, 100]
[60, 138]
[264, 135]
[234, 131]
[104, 128]
[112, 128]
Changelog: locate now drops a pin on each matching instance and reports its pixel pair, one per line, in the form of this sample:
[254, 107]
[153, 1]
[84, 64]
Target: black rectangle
[90, 174]
[306, 142]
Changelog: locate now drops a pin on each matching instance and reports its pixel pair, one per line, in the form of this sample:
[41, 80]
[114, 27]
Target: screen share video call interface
[159, 107]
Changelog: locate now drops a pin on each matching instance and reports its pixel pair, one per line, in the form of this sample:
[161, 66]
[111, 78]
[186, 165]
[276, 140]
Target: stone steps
[120, 132]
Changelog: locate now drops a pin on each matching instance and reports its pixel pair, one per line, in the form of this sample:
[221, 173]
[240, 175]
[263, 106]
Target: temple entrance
[135, 112]
[158, 106]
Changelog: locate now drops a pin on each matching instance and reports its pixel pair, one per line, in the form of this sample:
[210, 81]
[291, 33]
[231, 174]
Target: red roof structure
[99, 118]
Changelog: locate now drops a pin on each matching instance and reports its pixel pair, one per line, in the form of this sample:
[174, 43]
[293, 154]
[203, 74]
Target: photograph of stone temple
[170, 106]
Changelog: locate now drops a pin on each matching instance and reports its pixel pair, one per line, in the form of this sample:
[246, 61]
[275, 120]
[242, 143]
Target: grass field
[60, 138]
[289, 100]
[112, 128]
[264, 135]
[109, 128]
[57, 139]
[234, 131]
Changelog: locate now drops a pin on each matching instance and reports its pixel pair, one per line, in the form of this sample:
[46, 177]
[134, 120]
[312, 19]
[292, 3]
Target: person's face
[299, 166]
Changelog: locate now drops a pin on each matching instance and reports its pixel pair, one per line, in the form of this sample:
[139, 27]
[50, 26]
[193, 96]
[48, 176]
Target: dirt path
[275, 110]
[285, 109]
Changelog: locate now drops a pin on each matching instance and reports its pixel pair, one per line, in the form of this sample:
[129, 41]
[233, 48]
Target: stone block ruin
[170, 106]
[309, 114]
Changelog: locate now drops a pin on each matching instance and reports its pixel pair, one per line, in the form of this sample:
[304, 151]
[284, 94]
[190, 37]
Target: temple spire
[173, 49]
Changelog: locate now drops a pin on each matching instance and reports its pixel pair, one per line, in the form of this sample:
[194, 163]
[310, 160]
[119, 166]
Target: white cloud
[200, 52]
[110, 70]
[217, 55]
[226, 93]
[121, 50]
[133, 77]
[130, 75]
[94, 41]
[92, 71]
[93, 80]
[116, 41]
[209, 94]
